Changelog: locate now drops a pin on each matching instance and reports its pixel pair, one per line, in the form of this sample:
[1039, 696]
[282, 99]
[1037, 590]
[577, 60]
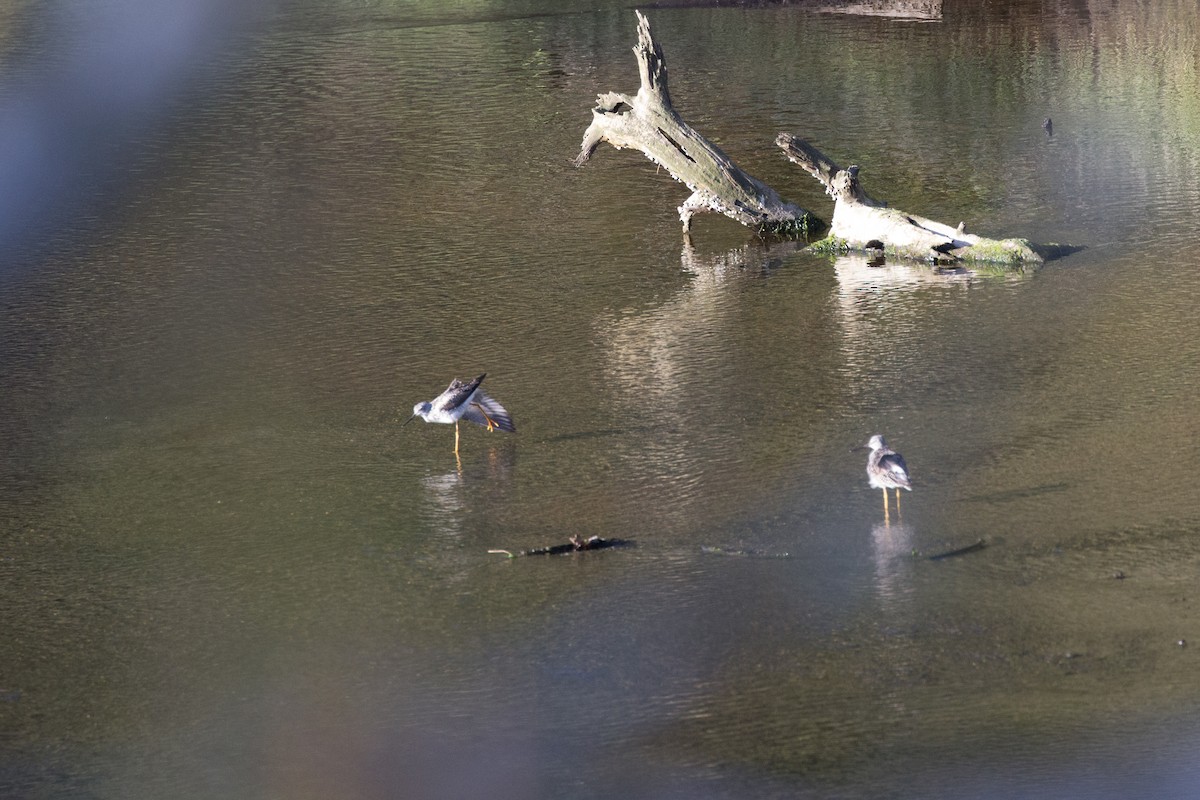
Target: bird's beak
[410, 419]
[860, 447]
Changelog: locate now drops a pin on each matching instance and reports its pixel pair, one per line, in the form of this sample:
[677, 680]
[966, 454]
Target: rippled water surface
[227, 571]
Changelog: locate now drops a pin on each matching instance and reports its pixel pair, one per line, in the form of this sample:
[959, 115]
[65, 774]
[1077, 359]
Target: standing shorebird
[886, 470]
[464, 401]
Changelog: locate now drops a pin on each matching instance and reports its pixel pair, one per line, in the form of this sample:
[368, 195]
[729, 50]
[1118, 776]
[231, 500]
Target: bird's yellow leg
[491, 426]
[897, 499]
[455, 437]
[885, 505]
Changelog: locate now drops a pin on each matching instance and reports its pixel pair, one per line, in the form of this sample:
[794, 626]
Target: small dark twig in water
[962, 551]
[574, 545]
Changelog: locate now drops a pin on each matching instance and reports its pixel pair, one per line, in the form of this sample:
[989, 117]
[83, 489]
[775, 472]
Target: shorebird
[886, 470]
[464, 401]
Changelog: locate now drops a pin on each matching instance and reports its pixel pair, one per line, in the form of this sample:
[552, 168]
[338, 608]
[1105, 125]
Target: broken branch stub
[649, 123]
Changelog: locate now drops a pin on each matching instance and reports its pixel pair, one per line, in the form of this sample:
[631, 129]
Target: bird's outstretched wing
[456, 394]
[485, 411]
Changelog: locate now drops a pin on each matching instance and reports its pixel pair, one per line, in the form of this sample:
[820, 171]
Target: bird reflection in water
[892, 550]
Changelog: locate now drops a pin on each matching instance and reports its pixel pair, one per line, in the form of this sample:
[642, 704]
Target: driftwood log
[648, 122]
[862, 223]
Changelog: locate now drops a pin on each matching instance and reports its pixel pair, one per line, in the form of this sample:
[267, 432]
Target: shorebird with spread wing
[464, 401]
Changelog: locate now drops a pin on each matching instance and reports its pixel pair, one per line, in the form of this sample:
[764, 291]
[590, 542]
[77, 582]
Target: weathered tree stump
[862, 223]
[648, 122]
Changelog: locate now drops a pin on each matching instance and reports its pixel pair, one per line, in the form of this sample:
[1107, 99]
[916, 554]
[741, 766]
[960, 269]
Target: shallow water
[227, 571]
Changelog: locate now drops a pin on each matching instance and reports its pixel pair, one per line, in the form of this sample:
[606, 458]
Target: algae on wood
[861, 222]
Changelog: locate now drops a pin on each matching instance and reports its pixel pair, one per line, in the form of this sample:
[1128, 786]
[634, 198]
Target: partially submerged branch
[574, 545]
[862, 223]
[649, 123]
[961, 551]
